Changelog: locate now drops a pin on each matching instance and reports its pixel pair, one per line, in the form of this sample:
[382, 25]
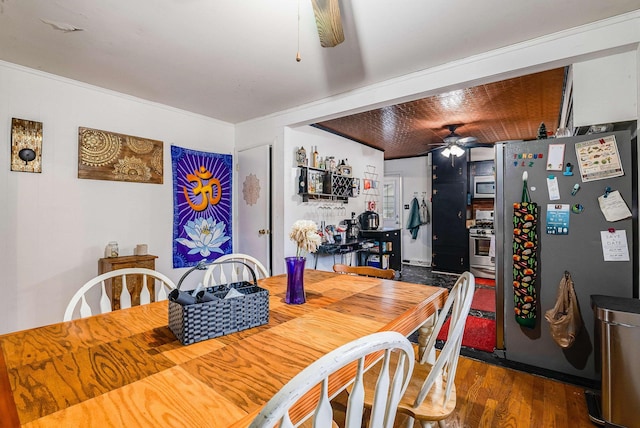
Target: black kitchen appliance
[369, 220]
[353, 228]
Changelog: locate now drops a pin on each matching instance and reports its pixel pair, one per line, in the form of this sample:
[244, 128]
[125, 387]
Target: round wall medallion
[140, 145]
[98, 148]
[132, 169]
[251, 189]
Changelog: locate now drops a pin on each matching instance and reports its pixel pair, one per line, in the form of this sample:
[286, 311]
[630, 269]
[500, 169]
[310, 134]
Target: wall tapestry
[26, 145]
[201, 206]
[106, 155]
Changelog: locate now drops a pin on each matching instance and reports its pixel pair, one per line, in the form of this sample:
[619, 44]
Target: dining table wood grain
[126, 368]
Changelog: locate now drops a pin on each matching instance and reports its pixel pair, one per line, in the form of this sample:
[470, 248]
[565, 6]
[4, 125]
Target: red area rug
[484, 299]
[486, 282]
[479, 333]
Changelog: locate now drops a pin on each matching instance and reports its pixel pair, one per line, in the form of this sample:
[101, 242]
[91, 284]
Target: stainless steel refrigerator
[569, 242]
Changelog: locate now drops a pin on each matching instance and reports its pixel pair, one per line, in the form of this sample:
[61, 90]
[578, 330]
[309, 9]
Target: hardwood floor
[490, 396]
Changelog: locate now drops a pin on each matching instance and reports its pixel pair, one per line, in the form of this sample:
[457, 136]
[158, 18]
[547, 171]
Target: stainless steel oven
[481, 258]
[481, 262]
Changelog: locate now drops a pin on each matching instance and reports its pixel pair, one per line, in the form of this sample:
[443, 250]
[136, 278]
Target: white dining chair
[365, 271]
[151, 279]
[431, 394]
[217, 274]
[391, 384]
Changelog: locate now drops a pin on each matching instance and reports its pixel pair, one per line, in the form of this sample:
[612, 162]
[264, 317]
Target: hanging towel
[425, 218]
[414, 218]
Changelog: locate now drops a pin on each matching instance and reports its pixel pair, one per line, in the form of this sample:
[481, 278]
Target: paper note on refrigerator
[613, 206]
[555, 157]
[614, 246]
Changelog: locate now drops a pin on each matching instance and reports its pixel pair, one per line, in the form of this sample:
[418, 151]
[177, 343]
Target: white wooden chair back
[389, 390]
[459, 302]
[228, 273]
[163, 285]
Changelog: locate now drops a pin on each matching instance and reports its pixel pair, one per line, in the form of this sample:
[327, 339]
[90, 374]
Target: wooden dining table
[126, 368]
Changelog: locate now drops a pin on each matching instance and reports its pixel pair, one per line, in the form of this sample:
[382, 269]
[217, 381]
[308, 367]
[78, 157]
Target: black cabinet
[387, 247]
[450, 239]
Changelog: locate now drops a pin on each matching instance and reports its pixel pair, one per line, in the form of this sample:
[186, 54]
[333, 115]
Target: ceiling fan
[329, 22]
[455, 144]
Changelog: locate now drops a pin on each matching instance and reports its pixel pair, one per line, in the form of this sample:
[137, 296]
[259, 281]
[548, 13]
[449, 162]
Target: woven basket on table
[205, 320]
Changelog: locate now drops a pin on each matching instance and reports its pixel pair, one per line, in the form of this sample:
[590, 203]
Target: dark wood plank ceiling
[507, 110]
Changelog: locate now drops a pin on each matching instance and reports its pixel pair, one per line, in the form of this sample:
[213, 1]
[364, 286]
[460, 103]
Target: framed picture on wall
[344, 170]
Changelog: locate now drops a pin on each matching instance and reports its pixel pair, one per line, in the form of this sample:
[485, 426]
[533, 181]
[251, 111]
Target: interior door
[254, 203]
[392, 202]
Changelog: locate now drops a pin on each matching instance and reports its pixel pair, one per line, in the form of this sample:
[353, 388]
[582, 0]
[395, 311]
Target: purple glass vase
[295, 280]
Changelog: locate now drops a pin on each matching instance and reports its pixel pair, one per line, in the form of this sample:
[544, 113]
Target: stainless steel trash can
[618, 329]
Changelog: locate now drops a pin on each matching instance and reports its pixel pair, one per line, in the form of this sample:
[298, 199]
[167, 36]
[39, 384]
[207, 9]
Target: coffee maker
[353, 227]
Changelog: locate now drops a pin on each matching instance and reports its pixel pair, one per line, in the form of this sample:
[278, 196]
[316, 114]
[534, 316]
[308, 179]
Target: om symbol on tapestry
[211, 191]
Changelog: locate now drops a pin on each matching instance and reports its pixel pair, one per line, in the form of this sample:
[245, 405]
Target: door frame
[397, 181]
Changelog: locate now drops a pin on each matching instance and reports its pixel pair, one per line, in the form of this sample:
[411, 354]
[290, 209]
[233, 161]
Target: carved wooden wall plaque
[104, 155]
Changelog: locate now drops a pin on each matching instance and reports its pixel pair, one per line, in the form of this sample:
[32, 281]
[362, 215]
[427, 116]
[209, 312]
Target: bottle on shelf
[315, 157]
[311, 181]
[332, 164]
[301, 156]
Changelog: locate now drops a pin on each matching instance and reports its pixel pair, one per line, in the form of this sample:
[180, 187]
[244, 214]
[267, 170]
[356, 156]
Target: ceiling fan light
[446, 152]
[457, 151]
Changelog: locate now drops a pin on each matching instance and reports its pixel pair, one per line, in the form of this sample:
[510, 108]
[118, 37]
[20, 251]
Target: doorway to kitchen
[392, 202]
[480, 329]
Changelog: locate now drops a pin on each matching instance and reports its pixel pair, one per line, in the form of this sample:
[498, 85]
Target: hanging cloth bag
[564, 319]
[525, 257]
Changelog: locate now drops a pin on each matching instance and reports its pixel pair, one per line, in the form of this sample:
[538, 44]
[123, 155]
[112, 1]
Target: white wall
[54, 226]
[359, 157]
[605, 89]
[416, 181]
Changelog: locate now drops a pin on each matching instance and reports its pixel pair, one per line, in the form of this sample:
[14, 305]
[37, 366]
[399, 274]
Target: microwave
[484, 186]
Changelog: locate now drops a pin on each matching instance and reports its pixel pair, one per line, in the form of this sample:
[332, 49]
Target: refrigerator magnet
[575, 189]
[568, 171]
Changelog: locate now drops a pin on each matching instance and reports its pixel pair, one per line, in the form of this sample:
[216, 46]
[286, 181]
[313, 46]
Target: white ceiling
[234, 60]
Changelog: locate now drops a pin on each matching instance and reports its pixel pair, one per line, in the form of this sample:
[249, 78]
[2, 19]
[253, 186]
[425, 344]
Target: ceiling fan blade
[329, 22]
[467, 140]
[477, 144]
